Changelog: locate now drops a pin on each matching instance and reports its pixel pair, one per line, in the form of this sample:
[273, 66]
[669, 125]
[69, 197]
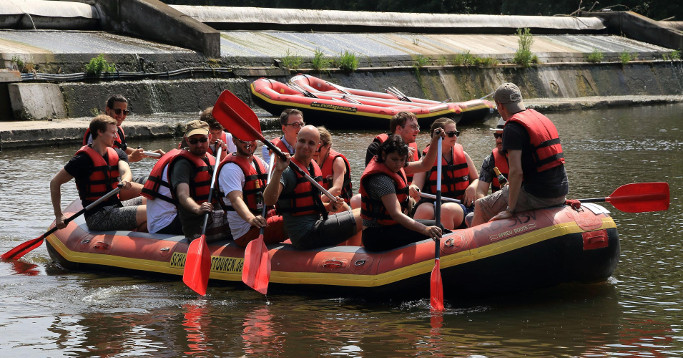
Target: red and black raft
[534, 249]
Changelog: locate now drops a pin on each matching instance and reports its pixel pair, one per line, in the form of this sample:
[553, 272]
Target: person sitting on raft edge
[385, 202]
[305, 217]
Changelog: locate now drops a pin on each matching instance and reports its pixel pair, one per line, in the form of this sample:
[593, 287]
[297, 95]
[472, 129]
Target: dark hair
[100, 123]
[284, 116]
[440, 123]
[393, 144]
[207, 116]
[116, 98]
[399, 119]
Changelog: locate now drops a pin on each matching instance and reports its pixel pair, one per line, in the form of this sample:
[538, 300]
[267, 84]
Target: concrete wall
[38, 14]
[31, 101]
[641, 28]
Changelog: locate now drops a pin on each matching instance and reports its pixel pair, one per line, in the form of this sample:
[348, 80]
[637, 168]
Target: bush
[422, 61]
[464, 59]
[20, 64]
[486, 61]
[320, 61]
[347, 61]
[625, 58]
[524, 57]
[674, 55]
[292, 61]
[97, 65]
[595, 56]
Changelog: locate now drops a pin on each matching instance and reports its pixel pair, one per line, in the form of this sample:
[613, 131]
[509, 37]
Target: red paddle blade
[197, 266]
[641, 197]
[436, 288]
[256, 269]
[237, 117]
[22, 249]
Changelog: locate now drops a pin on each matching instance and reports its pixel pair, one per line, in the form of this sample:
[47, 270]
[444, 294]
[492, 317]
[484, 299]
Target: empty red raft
[335, 106]
[534, 249]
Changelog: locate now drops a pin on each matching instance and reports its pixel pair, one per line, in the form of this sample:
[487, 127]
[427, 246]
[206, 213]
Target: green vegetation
[213, 62]
[347, 61]
[486, 61]
[422, 61]
[524, 57]
[626, 57]
[320, 62]
[97, 65]
[595, 56]
[464, 59]
[674, 55]
[18, 62]
[292, 61]
[442, 61]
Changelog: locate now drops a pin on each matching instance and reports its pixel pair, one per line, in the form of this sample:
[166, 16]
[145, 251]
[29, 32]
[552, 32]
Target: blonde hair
[325, 136]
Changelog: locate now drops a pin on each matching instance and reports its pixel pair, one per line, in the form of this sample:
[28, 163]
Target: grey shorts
[330, 232]
[110, 218]
[493, 204]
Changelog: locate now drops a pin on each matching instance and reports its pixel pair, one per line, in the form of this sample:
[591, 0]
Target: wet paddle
[436, 286]
[256, 269]
[243, 123]
[637, 197]
[28, 246]
[198, 260]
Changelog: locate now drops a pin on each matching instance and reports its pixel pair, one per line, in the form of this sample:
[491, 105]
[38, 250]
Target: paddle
[443, 198]
[256, 269]
[637, 197]
[28, 246]
[242, 122]
[436, 286]
[198, 260]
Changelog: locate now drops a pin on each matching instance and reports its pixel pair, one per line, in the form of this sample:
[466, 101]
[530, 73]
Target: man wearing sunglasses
[291, 121]
[117, 108]
[537, 177]
[497, 159]
[178, 189]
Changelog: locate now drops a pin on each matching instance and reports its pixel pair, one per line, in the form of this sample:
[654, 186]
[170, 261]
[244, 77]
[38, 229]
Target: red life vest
[280, 144]
[416, 153]
[305, 199]
[373, 209]
[104, 176]
[501, 162]
[545, 140]
[454, 175]
[119, 139]
[154, 181]
[200, 181]
[327, 174]
[255, 178]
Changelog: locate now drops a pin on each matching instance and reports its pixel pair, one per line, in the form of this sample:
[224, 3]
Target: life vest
[372, 209]
[119, 139]
[200, 181]
[545, 141]
[454, 175]
[500, 162]
[416, 153]
[327, 174]
[280, 144]
[155, 182]
[255, 178]
[104, 176]
[305, 198]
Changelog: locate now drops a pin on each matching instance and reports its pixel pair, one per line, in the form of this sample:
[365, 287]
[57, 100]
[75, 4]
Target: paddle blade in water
[256, 269]
[641, 197]
[237, 117]
[22, 249]
[197, 266]
[436, 288]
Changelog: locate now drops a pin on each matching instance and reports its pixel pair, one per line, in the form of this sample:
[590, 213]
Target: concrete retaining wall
[31, 101]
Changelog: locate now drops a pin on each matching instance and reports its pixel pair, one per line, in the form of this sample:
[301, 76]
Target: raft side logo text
[513, 232]
[333, 107]
[178, 260]
[218, 264]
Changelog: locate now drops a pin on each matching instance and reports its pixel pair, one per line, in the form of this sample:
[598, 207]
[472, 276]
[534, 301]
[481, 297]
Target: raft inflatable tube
[334, 106]
[534, 249]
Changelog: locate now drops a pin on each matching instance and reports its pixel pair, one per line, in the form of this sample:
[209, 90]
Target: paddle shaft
[213, 183]
[437, 203]
[270, 175]
[443, 198]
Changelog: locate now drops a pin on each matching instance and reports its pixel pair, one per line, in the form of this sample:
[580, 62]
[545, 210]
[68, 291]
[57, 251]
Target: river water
[47, 311]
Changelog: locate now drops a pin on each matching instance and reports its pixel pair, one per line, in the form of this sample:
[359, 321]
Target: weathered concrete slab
[36, 101]
[39, 14]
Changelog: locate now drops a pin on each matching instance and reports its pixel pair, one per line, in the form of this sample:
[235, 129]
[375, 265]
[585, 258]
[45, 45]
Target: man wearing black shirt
[537, 177]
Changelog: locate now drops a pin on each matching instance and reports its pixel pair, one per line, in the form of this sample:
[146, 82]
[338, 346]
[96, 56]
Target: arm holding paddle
[426, 162]
[56, 195]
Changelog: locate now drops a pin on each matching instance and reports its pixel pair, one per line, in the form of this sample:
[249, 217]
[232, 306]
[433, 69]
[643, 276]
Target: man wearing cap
[537, 177]
[497, 159]
[178, 188]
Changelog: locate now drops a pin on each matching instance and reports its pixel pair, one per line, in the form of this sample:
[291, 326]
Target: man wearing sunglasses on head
[291, 121]
[117, 108]
[178, 189]
[537, 177]
[497, 159]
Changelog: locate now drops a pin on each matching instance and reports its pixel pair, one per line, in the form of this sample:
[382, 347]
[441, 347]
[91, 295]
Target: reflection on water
[51, 312]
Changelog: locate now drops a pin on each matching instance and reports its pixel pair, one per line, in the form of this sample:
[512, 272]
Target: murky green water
[50, 312]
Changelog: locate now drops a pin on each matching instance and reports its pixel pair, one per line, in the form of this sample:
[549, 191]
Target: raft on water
[334, 106]
[534, 249]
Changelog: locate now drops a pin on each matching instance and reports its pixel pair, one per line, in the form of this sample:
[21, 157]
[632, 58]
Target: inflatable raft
[334, 106]
[534, 249]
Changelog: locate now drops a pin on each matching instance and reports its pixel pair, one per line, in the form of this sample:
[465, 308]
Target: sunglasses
[498, 135]
[453, 134]
[296, 124]
[198, 140]
[119, 110]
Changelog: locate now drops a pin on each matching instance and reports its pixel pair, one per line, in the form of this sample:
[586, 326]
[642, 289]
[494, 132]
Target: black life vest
[373, 209]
